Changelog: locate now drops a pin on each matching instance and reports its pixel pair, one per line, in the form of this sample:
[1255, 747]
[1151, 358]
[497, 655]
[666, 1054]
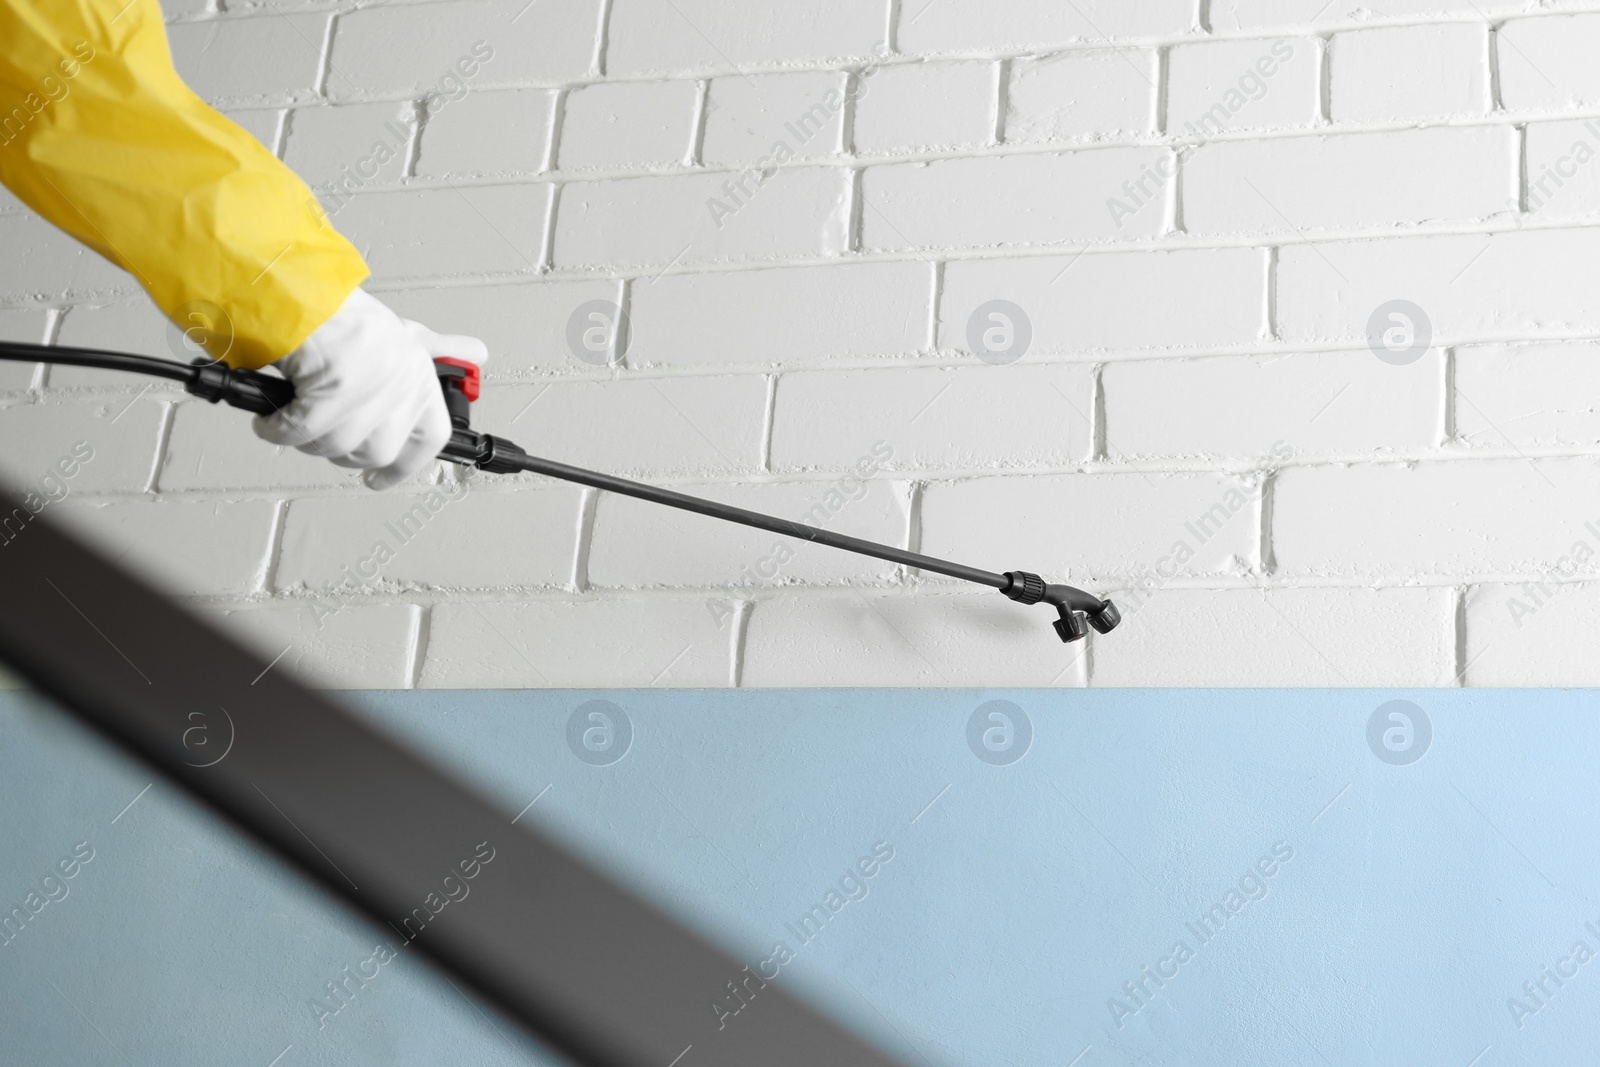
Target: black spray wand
[265, 394]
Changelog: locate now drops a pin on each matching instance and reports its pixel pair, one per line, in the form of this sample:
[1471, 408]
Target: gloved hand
[366, 394]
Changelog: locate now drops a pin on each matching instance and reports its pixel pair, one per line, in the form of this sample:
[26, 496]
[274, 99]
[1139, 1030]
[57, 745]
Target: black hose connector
[1078, 610]
[1025, 587]
[248, 390]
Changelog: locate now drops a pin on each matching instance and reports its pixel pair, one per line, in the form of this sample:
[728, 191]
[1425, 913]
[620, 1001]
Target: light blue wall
[1419, 898]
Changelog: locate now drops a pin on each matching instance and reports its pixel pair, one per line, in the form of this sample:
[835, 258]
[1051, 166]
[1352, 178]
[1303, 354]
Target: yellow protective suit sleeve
[100, 136]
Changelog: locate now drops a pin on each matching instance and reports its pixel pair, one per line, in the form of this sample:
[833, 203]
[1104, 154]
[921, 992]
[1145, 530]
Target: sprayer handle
[264, 394]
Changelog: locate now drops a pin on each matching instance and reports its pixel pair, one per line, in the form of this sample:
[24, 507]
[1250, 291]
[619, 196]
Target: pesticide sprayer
[265, 394]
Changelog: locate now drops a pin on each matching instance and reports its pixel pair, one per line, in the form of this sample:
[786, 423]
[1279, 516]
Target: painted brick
[1528, 396]
[698, 218]
[1471, 286]
[211, 446]
[1288, 637]
[123, 433]
[262, 124]
[636, 426]
[438, 232]
[915, 106]
[628, 124]
[638, 545]
[1359, 181]
[748, 116]
[871, 639]
[27, 325]
[1082, 96]
[1014, 200]
[1563, 179]
[329, 645]
[784, 316]
[351, 146]
[934, 417]
[251, 61]
[718, 34]
[1245, 408]
[524, 324]
[1081, 527]
[674, 642]
[439, 538]
[964, 25]
[1534, 633]
[489, 133]
[187, 547]
[1546, 64]
[1281, 14]
[1409, 72]
[450, 48]
[43, 263]
[1220, 86]
[1445, 519]
[1115, 301]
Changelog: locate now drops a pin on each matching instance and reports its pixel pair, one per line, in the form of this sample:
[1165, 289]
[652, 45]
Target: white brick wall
[800, 212]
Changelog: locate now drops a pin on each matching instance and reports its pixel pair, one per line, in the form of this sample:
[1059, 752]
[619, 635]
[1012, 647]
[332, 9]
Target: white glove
[366, 394]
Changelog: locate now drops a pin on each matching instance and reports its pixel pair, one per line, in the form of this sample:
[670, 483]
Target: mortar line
[891, 27]
[1460, 620]
[1203, 19]
[547, 250]
[602, 48]
[1163, 77]
[421, 631]
[622, 339]
[325, 61]
[419, 120]
[742, 610]
[1098, 448]
[935, 298]
[1002, 100]
[1521, 175]
[588, 502]
[280, 520]
[1492, 46]
[855, 224]
[1270, 311]
[1324, 79]
[769, 417]
[1450, 430]
[169, 414]
[847, 115]
[697, 124]
[558, 119]
[1266, 557]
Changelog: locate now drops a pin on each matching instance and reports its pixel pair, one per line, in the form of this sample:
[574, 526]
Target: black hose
[97, 357]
